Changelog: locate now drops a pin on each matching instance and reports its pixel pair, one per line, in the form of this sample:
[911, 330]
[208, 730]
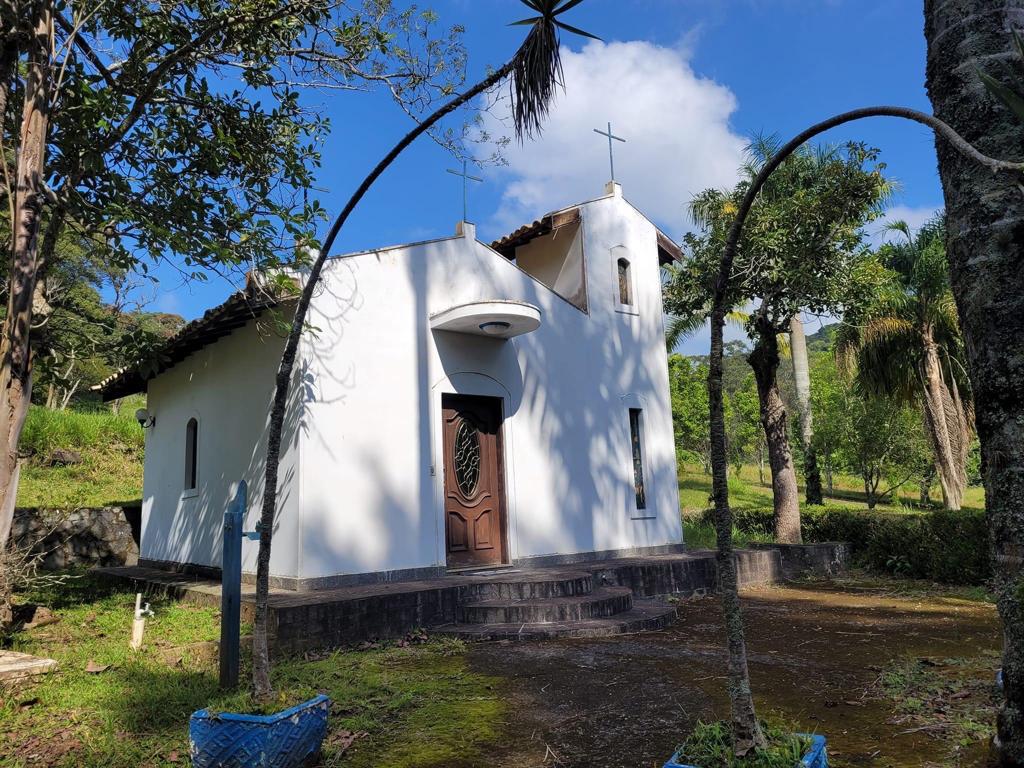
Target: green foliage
[877, 437]
[1012, 95]
[413, 705]
[709, 745]
[690, 417]
[801, 248]
[184, 131]
[743, 434]
[944, 546]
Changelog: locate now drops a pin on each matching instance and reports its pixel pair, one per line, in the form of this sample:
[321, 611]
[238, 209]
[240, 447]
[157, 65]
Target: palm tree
[985, 246]
[536, 73]
[802, 377]
[907, 345]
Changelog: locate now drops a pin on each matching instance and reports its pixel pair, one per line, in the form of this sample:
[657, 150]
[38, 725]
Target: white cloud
[676, 126]
[915, 217]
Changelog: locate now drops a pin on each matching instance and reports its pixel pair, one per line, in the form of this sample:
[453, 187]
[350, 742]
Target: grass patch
[949, 699]
[710, 746]
[393, 705]
[111, 447]
[746, 489]
[699, 534]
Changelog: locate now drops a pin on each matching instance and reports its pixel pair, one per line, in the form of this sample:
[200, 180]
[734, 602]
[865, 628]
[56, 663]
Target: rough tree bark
[802, 376]
[15, 352]
[985, 243]
[261, 658]
[746, 731]
[764, 359]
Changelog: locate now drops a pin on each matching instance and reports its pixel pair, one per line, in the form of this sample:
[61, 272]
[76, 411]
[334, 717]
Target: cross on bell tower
[611, 154]
[466, 178]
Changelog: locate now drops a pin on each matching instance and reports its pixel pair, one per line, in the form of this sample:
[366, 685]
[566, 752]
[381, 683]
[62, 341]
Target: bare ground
[818, 656]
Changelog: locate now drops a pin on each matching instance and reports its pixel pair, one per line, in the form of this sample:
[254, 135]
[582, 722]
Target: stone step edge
[596, 595]
[638, 619]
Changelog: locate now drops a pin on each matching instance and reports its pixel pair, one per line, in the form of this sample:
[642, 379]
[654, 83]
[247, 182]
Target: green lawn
[413, 705]
[747, 490]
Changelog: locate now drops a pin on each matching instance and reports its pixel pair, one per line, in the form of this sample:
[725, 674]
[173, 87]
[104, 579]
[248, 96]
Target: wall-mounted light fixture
[145, 420]
[495, 327]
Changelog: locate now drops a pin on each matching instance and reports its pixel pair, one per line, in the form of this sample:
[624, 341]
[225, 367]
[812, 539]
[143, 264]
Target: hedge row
[944, 546]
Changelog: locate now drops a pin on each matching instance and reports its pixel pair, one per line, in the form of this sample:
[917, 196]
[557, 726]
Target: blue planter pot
[288, 739]
[816, 757]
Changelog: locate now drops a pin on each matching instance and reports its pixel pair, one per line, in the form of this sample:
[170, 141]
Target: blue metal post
[231, 589]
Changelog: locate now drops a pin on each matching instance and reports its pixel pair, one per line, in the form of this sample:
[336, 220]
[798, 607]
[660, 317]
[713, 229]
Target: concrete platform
[583, 599]
[15, 665]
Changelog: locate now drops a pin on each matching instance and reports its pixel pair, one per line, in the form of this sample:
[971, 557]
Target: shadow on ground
[816, 654]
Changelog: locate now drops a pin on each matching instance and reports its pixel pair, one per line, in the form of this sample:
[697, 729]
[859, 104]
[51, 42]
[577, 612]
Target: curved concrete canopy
[495, 319]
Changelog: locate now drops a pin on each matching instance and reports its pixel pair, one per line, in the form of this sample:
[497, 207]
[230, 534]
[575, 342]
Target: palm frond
[537, 65]
[678, 328]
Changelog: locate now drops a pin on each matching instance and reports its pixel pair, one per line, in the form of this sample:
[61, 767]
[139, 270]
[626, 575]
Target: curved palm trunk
[985, 226]
[746, 731]
[764, 359]
[261, 661]
[946, 426]
[802, 375]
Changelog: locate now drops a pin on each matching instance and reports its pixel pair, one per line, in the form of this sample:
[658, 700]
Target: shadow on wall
[585, 440]
[192, 532]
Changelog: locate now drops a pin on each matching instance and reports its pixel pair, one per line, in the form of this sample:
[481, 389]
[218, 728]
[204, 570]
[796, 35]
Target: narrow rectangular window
[636, 441]
[191, 457]
[625, 288]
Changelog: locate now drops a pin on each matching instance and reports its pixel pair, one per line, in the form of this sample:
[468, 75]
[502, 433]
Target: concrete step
[600, 603]
[528, 586]
[644, 616]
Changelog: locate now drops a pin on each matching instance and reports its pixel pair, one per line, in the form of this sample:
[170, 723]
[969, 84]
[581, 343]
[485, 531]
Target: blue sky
[685, 81]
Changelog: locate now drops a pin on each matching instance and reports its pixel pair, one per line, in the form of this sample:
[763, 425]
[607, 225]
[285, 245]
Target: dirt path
[817, 653]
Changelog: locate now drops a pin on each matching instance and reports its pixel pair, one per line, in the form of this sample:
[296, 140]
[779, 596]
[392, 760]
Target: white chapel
[456, 405]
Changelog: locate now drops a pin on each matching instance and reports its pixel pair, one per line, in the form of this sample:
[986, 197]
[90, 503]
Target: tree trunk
[926, 486]
[985, 233]
[260, 652]
[15, 352]
[945, 428]
[764, 359]
[746, 731]
[802, 376]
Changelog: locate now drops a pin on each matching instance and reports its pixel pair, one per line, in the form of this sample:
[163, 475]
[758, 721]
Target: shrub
[944, 546]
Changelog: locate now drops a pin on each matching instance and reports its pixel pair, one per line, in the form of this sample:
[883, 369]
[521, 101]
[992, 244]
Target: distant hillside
[821, 340]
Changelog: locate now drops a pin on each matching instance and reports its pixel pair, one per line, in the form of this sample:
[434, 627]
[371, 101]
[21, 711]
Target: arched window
[625, 283]
[191, 454]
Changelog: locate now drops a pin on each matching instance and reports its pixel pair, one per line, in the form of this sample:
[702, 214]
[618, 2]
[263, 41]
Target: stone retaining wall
[80, 537]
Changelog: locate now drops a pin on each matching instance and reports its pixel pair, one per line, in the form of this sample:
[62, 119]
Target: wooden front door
[474, 493]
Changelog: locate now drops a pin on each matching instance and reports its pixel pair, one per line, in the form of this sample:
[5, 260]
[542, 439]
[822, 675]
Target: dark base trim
[407, 574]
[542, 561]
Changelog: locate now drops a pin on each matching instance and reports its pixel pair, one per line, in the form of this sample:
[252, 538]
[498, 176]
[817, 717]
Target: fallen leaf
[342, 739]
[94, 668]
[173, 757]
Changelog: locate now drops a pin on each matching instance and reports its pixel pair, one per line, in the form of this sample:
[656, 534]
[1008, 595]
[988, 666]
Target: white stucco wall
[227, 387]
[373, 376]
